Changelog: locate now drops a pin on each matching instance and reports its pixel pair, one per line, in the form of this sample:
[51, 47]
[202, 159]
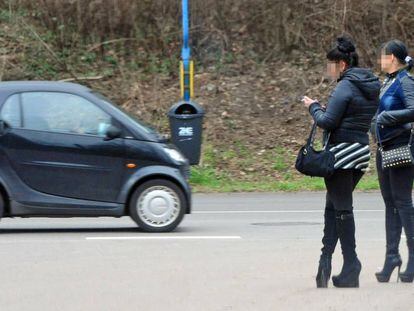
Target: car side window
[10, 112]
[63, 112]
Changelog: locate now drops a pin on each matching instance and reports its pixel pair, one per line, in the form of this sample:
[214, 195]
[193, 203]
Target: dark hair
[344, 50]
[400, 51]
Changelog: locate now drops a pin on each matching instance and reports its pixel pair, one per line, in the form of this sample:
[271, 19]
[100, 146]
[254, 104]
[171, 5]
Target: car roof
[30, 86]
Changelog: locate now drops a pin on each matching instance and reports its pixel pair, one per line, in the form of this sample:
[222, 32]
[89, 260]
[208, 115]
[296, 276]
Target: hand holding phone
[308, 101]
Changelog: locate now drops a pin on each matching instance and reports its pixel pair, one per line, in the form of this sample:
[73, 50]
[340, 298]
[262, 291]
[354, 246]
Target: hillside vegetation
[254, 59]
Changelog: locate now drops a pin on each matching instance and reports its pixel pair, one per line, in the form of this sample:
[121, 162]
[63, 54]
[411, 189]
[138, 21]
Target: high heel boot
[407, 219]
[329, 241]
[349, 276]
[393, 260]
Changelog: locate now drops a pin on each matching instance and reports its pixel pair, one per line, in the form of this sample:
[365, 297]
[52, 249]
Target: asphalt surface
[235, 252]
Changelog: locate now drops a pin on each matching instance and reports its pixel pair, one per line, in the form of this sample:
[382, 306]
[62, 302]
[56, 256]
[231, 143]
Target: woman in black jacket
[393, 129]
[346, 121]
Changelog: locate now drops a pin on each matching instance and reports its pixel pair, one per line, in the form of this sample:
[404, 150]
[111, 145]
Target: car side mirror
[112, 132]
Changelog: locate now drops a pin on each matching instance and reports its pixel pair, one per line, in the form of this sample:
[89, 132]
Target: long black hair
[400, 51]
[344, 50]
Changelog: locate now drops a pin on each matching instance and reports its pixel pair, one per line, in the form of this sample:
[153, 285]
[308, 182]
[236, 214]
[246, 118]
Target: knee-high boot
[329, 241]
[349, 276]
[393, 228]
[407, 219]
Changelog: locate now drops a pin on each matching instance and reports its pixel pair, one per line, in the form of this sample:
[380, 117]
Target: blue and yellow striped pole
[186, 64]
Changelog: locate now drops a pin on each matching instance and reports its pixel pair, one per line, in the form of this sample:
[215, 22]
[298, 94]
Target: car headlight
[175, 155]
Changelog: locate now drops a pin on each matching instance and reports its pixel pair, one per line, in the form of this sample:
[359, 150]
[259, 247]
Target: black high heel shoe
[324, 271]
[349, 276]
[408, 275]
[406, 278]
[391, 262]
[407, 218]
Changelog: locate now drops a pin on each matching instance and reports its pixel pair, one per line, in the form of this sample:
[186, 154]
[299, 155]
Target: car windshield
[147, 128]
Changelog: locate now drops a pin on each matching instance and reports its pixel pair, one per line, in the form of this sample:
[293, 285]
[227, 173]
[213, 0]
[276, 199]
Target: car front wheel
[158, 206]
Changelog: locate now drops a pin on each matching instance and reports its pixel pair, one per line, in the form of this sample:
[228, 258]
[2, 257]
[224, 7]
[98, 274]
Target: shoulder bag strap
[327, 141]
[378, 135]
[312, 134]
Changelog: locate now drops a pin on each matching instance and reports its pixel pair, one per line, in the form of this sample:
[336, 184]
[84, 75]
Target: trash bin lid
[188, 109]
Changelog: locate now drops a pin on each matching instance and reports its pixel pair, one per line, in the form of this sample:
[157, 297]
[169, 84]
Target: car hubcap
[158, 206]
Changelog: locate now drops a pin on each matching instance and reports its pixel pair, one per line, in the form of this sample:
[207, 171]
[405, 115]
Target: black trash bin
[186, 124]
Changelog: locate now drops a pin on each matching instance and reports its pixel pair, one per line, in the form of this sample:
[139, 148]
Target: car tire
[158, 205]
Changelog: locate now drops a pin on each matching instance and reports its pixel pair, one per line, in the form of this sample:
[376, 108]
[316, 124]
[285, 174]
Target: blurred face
[387, 62]
[334, 69]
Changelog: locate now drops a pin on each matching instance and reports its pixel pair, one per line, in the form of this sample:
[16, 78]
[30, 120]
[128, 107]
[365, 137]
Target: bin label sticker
[186, 131]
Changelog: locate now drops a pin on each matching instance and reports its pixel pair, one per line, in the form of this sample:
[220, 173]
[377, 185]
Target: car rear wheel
[158, 206]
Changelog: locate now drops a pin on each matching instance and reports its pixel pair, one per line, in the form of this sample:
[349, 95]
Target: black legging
[396, 185]
[340, 187]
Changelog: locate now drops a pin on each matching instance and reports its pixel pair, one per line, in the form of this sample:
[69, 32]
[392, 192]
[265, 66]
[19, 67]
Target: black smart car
[67, 151]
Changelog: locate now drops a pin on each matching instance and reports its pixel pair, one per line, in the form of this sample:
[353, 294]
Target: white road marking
[280, 212]
[163, 238]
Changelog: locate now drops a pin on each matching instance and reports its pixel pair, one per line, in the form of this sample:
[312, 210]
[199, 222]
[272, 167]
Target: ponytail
[410, 63]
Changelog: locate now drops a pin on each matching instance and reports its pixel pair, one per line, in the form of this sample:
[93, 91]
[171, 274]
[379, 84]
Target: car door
[56, 144]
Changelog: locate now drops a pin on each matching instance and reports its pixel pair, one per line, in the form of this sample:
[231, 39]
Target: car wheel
[158, 206]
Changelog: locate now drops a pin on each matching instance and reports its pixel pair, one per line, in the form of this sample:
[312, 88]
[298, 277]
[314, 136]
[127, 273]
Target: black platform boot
[407, 218]
[329, 241]
[349, 276]
[393, 260]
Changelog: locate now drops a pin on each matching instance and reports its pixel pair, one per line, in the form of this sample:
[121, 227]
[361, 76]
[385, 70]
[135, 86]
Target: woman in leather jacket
[346, 120]
[393, 129]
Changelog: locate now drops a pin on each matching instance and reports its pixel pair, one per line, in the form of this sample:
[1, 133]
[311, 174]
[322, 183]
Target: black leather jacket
[351, 107]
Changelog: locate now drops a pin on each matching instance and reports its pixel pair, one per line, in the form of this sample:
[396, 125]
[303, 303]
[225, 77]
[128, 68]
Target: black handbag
[397, 157]
[315, 163]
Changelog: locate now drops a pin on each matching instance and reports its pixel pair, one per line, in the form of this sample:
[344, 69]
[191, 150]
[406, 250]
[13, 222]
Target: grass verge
[207, 180]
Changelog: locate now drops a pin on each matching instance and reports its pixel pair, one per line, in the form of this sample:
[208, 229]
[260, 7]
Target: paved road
[236, 252]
